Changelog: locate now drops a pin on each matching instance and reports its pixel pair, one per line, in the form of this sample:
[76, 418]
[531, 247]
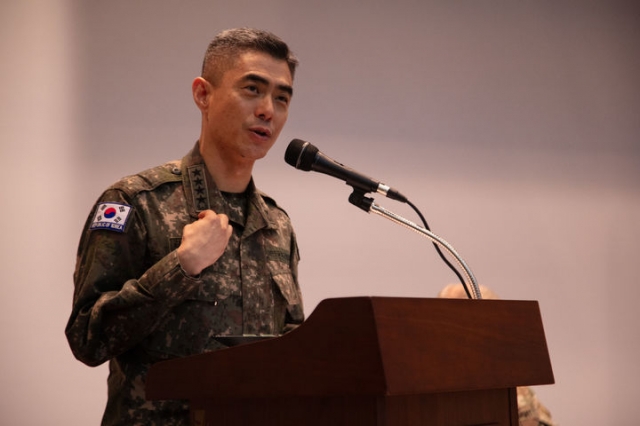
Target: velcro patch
[111, 216]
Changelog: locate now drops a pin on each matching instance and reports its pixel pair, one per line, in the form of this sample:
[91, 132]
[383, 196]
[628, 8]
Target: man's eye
[253, 89]
[283, 99]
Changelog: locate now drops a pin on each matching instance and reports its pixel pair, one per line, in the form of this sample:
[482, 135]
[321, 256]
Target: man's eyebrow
[260, 79]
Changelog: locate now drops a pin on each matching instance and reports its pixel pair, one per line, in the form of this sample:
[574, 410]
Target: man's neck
[229, 176]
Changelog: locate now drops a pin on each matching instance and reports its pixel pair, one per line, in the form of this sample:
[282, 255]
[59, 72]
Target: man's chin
[257, 152]
[255, 155]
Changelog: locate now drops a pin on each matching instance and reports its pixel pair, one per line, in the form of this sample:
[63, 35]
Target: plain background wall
[513, 126]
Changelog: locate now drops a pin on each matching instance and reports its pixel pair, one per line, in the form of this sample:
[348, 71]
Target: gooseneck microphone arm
[305, 156]
[470, 284]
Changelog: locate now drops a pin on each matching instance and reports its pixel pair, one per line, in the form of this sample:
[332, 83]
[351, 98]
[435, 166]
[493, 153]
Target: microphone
[305, 156]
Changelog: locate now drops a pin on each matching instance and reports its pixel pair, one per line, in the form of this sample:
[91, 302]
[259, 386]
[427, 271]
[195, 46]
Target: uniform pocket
[287, 286]
[290, 291]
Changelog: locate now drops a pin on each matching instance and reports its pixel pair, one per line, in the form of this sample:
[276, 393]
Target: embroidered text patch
[111, 216]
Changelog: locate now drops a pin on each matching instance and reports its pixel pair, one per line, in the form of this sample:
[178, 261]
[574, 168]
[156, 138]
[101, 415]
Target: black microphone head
[300, 154]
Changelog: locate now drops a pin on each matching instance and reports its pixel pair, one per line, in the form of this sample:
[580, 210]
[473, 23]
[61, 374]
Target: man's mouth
[261, 131]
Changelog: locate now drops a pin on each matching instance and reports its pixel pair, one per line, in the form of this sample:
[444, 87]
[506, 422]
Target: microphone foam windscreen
[300, 154]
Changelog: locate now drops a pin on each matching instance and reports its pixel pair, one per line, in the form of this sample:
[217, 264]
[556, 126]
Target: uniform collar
[201, 194]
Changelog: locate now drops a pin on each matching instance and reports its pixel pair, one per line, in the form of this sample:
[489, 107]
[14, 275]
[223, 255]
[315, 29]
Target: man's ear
[201, 90]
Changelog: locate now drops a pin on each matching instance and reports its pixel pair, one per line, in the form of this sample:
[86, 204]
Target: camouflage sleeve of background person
[531, 412]
[119, 297]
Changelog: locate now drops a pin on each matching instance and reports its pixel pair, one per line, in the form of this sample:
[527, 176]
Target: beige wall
[513, 126]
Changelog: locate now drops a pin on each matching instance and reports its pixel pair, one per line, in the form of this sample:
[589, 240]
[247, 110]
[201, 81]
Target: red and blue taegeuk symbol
[109, 213]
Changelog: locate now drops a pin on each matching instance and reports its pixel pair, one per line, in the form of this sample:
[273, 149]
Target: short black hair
[229, 44]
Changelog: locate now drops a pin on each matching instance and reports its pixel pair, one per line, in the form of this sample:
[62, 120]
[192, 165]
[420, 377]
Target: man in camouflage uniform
[178, 255]
[531, 412]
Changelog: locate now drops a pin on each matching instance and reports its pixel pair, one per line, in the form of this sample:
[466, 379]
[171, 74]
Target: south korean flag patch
[111, 216]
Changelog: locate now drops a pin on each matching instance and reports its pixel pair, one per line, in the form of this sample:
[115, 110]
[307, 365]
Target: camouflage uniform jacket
[531, 412]
[134, 305]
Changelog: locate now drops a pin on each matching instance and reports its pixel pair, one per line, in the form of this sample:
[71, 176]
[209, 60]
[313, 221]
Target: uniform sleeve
[120, 298]
[531, 412]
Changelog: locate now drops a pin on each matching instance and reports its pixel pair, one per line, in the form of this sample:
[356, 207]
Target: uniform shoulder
[270, 201]
[150, 179]
[271, 204]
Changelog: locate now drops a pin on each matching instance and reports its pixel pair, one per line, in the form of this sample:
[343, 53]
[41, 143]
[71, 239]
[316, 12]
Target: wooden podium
[371, 361]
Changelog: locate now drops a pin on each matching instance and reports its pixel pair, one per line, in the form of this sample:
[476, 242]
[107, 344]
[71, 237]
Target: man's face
[248, 107]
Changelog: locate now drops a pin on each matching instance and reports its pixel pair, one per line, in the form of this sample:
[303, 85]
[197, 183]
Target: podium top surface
[374, 346]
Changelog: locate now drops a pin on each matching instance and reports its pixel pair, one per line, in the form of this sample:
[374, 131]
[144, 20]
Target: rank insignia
[199, 188]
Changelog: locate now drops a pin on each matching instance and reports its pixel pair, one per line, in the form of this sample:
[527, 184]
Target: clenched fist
[204, 241]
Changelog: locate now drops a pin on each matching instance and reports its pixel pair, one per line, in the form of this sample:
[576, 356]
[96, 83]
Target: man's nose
[264, 109]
